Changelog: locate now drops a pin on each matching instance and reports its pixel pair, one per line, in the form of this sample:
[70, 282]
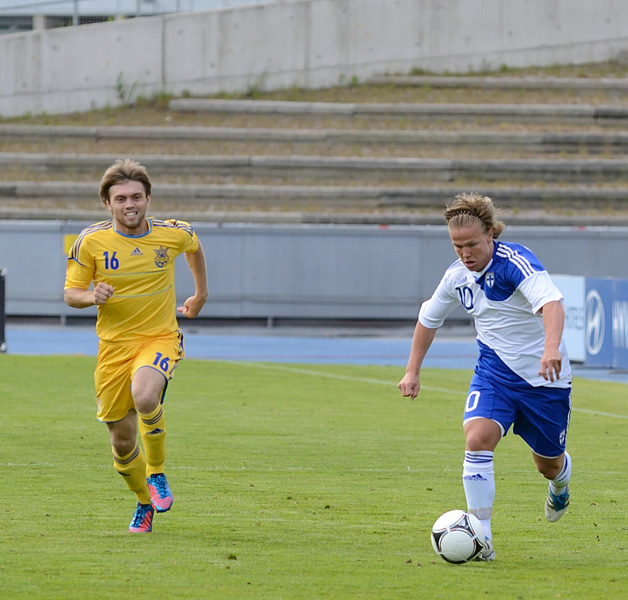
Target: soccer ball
[457, 536]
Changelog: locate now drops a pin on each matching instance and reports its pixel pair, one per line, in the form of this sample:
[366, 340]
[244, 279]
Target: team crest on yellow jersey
[161, 257]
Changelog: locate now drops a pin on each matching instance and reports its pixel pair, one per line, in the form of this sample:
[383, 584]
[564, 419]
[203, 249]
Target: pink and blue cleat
[160, 494]
[142, 521]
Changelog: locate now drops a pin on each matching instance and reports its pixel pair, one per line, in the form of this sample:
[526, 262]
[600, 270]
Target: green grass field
[296, 482]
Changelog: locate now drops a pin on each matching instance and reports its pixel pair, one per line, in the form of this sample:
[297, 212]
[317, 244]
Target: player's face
[473, 245]
[127, 204]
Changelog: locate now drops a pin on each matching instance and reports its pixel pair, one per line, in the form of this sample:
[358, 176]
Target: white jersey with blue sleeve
[504, 301]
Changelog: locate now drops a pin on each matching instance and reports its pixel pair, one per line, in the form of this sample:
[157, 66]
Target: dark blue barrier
[606, 310]
[3, 343]
[620, 323]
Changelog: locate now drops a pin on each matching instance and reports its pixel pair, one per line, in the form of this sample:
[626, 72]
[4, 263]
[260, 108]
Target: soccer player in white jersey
[522, 377]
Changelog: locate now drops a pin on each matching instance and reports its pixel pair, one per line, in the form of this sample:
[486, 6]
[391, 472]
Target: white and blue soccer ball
[457, 536]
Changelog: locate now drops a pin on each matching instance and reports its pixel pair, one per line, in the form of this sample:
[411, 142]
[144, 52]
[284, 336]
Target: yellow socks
[153, 434]
[137, 465]
[133, 468]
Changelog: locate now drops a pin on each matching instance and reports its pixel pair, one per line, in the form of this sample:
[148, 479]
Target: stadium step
[526, 141]
[320, 204]
[350, 168]
[555, 113]
[557, 158]
[571, 84]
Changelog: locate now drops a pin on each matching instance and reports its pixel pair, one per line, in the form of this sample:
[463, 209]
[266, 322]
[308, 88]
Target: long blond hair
[466, 209]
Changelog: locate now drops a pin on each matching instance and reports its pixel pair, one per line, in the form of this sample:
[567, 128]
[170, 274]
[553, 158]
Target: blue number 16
[114, 263]
[162, 362]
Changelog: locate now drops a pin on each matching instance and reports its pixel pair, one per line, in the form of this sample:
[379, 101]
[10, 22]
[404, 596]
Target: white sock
[558, 485]
[478, 479]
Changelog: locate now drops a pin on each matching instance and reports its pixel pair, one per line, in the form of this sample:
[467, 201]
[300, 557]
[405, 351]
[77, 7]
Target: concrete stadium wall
[301, 271]
[308, 43]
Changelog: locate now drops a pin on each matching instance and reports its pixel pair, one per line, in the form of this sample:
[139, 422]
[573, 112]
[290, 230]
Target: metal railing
[19, 16]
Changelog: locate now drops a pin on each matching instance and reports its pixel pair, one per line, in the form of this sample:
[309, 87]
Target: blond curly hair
[466, 209]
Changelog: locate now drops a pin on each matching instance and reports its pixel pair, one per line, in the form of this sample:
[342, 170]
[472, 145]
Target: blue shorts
[540, 415]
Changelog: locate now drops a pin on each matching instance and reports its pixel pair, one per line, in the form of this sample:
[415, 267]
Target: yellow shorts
[118, 363]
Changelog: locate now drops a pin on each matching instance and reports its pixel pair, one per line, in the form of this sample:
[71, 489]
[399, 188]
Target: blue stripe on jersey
[174, 223]
[511, 264]
[490, 365]
[100, 226]
[516, 258]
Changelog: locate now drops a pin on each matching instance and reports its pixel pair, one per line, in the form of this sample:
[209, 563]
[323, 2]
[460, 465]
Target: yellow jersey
[141, 271]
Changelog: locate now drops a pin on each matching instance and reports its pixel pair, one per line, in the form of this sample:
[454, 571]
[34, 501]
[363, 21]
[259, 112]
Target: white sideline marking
[219, 468]
[278, 367]
[600, 413]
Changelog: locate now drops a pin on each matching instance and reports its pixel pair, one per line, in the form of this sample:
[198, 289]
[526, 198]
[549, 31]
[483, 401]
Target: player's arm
[553, 321]
[432, 314]
[196, 262]
[81, 298]
[421, 342]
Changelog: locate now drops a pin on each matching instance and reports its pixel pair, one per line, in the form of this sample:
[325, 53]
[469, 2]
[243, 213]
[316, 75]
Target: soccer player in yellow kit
[130, 260]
